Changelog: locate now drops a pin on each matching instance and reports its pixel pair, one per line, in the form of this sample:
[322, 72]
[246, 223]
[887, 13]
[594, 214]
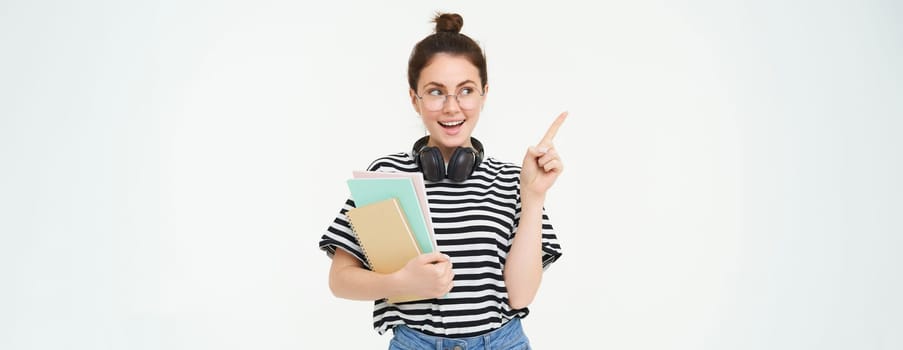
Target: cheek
[473, 115]
[428, 116]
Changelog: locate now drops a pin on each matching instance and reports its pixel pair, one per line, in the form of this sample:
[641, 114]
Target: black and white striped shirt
[474, 223]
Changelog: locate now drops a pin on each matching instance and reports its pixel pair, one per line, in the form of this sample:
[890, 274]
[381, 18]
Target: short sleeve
[551, 249]
[340, 236]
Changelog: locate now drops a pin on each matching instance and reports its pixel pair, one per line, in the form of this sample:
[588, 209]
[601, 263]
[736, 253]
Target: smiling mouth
[451, 124]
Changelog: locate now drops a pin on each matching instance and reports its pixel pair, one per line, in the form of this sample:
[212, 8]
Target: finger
[441, 269]
[553, 166]
[550, 134]
[449, 276]
[448, 273]
[449, 281]
[547, 157]
[536, 152]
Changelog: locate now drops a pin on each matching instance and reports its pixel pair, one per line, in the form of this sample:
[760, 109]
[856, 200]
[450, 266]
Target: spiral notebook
[420, 189]
[385, 237]
[372, 189]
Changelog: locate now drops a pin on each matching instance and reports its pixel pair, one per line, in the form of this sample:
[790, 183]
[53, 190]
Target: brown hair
[447, 39]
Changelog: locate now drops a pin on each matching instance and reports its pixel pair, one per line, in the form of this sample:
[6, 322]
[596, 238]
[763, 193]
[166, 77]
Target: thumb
[434, 257]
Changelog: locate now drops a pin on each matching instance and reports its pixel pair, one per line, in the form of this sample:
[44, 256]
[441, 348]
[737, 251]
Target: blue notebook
[371, 190]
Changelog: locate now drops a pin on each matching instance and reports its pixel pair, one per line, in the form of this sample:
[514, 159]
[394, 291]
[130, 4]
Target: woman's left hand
[542, 165]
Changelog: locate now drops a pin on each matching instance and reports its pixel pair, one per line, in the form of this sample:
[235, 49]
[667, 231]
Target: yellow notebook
[385, 237]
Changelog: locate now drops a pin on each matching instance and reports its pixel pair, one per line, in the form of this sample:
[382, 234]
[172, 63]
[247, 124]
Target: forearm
[349, 280]
[523, 267]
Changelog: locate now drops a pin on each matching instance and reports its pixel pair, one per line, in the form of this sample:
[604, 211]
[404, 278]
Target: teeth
[452, 123]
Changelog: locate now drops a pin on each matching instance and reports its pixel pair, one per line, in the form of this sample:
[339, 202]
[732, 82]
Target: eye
[434, 92]
[465, 91]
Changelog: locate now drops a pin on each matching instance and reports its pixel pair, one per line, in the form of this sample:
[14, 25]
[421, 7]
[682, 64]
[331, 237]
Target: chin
[451, 141]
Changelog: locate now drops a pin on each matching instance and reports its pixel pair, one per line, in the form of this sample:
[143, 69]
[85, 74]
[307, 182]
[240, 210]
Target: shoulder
[500, 169]
[499, 165]
[396, 162]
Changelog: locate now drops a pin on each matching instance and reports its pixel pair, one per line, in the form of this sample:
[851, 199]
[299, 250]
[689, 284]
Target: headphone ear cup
[431, 163]
[460, 166]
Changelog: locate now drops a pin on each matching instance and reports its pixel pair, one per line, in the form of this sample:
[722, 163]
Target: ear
[414, 103]
[485, 94]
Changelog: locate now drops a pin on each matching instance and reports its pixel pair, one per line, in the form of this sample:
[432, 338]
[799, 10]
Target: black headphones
[462, 163]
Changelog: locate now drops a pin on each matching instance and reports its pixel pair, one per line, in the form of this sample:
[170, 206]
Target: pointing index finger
[550, 134]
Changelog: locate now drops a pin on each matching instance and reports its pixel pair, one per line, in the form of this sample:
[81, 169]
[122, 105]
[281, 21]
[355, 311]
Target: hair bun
[448, 22]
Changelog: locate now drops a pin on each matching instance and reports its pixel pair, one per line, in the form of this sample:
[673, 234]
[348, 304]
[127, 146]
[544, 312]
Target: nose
[451, 105]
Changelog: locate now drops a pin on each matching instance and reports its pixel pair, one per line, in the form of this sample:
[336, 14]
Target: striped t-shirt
[474, 223]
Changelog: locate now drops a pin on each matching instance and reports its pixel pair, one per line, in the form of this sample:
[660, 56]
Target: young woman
[494, 238]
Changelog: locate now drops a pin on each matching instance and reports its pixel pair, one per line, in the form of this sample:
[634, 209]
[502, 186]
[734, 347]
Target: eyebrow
[441, 85]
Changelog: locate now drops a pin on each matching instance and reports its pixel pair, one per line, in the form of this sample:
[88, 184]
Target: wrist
[395, 283]
[530, 199]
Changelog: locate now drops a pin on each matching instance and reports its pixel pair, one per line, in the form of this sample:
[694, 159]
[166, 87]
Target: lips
[452, 127]
[451, 124]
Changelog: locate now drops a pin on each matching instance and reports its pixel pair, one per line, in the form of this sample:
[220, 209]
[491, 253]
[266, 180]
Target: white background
[733, 168]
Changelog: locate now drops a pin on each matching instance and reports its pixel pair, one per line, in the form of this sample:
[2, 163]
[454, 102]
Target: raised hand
[542, 165]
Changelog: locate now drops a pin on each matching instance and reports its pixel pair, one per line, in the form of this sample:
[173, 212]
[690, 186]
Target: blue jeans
[509, 337]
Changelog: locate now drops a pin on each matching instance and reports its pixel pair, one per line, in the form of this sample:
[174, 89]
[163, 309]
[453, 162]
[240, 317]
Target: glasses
[434, 100]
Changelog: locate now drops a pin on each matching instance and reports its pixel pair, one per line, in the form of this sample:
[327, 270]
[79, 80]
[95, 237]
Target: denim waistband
[509, 335]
